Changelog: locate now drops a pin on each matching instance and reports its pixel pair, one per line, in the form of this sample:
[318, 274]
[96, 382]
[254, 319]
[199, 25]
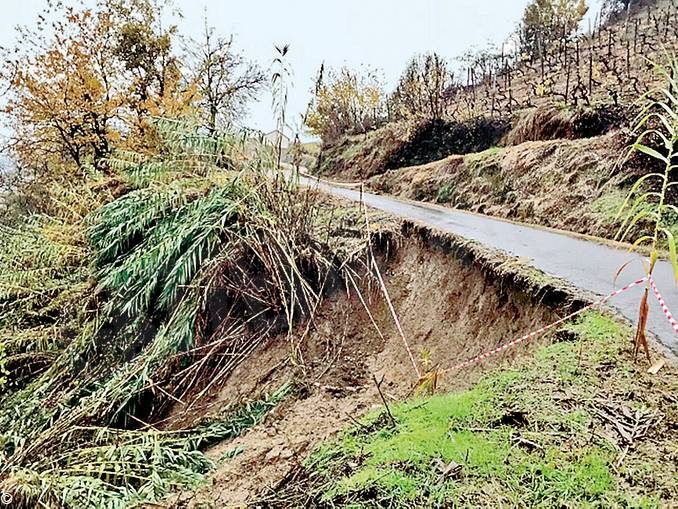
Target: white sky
[381, 34]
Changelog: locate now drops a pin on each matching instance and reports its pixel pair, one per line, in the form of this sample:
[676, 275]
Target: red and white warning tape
[662, 304]
[527, 337]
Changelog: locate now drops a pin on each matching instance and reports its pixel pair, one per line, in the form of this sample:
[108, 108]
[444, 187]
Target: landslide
[144, 288]
[453, 299]
[577, 424]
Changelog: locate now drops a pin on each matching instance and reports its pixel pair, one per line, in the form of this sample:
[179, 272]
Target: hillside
[573, 185]
[536, 423]
[579, 99]
[546, 157]
[189, 321]
[609, 63]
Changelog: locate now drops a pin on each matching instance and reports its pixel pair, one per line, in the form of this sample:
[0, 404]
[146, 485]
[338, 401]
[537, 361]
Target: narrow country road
[586, 264]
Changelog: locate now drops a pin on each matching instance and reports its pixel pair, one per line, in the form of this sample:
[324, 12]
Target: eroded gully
[587, 264]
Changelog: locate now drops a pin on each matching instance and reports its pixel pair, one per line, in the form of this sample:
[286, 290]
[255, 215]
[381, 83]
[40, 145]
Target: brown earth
[567, 184]
[454, 300]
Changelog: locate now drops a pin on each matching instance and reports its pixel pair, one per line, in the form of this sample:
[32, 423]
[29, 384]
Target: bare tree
[225, 80]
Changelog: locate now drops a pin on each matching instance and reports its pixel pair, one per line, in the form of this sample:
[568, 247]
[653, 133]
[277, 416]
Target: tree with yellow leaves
[546, 21]
[345, 102]
[84, 80]
[153, 81]
[420, 92]
[63, 91]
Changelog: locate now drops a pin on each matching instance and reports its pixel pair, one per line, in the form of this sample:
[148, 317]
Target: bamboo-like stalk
[658, 120]
[188, 234]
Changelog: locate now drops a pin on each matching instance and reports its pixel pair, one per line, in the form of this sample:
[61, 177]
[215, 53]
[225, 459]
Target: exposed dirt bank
[577, 424]
[567, 184]
[453, 299]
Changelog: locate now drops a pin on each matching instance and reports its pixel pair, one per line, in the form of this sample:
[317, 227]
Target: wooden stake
[383, 399]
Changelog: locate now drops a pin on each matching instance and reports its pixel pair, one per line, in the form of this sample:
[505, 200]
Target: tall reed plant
[647, 204]
[207, 254]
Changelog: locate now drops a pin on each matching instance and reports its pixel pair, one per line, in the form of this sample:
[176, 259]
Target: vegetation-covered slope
[402, 144]
[609, 186]
[113, 311]
[569, 184]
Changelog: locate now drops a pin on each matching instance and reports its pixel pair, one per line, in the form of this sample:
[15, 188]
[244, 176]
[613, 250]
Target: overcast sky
[380, 34]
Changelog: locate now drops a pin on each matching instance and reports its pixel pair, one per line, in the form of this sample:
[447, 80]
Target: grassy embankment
[578, 424]
[551, 168]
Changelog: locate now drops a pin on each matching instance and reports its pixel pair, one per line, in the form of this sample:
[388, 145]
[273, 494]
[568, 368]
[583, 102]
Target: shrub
[599, 119]
[345, 102]
[444, 193]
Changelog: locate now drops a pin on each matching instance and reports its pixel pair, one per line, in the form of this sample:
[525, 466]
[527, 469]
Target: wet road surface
[584, 263]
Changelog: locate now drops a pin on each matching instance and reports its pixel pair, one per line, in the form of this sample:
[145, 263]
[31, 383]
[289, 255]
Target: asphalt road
[587, 264]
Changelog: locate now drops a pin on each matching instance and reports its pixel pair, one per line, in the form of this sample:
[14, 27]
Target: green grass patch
[483, 164]
[523, 437]
[444, 194]
[607, 209]
[607, 206]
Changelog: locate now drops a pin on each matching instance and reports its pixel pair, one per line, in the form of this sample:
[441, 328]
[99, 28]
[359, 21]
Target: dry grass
[538, 124]
[565, 184]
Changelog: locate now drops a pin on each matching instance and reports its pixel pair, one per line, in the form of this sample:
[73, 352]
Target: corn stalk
[657, 124]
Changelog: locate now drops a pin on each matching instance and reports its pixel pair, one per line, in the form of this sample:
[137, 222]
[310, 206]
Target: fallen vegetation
[112, 314]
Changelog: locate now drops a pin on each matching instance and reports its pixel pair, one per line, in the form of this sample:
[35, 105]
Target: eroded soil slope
[577, 424]
[453, 301]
